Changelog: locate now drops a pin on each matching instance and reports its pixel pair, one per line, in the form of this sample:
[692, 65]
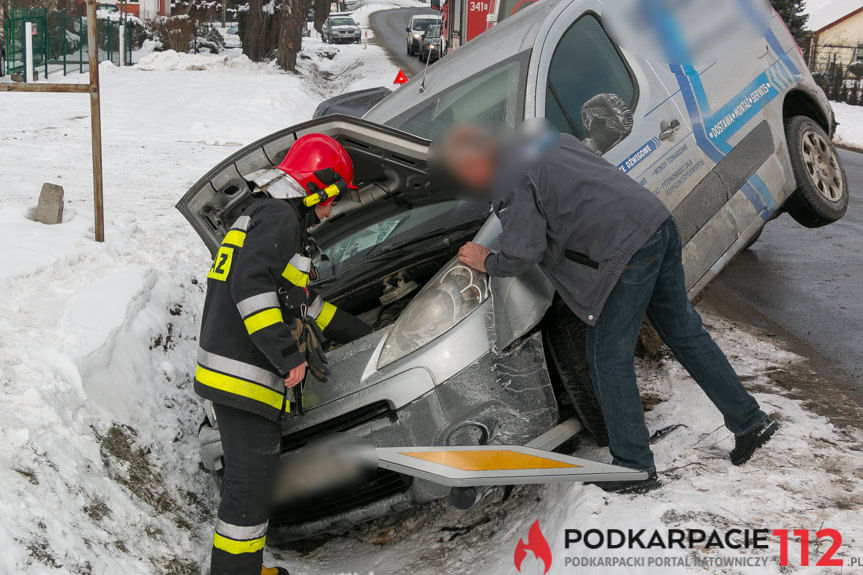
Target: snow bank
[98, 421]
[170, 60]
[850, 129]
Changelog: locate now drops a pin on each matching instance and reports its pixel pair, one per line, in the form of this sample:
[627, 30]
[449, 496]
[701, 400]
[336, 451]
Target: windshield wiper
[385, 249]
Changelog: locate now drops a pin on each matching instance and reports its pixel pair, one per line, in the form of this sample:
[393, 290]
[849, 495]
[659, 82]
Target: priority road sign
[473, 466]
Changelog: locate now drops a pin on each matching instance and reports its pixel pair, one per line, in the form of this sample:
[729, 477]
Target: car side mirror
[408, 29]
[607, 120]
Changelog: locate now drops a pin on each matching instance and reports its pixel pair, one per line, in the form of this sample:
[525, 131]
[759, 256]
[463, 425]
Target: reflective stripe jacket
[246, 348]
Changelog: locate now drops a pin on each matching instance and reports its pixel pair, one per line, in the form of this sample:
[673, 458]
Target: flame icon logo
[536, 543]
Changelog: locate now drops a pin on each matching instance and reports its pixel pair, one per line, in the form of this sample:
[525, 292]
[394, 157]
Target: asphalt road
[389, 27]
[805, 283]
[808, 282]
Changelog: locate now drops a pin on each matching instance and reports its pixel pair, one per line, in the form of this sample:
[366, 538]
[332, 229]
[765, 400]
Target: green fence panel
[58, 40]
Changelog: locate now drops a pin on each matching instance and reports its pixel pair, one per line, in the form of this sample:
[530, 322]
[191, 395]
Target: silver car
[460, 359]
[416, 30]
[341, 28]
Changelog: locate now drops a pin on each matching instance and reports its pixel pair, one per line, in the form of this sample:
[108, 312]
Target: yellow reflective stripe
[263, 319]
[235, 238]
[326, 316]
[238, 547]
[240, 387]
[269, 571]
[295, 276]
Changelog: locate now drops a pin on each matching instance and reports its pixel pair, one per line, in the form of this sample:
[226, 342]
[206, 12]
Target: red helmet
[313, 158]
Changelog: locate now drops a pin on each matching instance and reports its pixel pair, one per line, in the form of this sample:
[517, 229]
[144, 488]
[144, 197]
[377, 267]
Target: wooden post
[95, 120]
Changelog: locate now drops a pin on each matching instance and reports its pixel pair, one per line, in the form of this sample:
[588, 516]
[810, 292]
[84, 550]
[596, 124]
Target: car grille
[341, 423]
[382, 484]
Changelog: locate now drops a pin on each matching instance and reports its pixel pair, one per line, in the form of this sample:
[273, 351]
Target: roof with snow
[823, 13]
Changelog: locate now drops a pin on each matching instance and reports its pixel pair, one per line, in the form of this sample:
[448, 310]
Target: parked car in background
[431, 47]
[341, 28]
[416, 30]
[458, 358]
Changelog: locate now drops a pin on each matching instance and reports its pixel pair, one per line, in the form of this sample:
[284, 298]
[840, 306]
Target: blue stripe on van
[731, 116]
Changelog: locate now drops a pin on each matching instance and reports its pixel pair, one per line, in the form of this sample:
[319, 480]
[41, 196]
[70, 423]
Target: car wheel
[565, 343]
[821, 197]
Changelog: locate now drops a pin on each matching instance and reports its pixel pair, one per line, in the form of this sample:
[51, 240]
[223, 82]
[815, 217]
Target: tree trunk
[292, 21]
[254, 33]
[322, 12]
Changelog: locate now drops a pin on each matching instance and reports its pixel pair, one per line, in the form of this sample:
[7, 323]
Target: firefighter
[261, 330]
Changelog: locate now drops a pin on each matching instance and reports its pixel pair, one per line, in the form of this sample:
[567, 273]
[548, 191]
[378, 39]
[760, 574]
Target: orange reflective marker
[503, 460]
[400, 78]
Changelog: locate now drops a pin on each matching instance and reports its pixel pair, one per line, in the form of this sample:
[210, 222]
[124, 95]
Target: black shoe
[632, 486]
[745, 445]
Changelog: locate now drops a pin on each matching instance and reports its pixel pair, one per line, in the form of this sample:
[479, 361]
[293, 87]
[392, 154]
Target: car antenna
[425, 69]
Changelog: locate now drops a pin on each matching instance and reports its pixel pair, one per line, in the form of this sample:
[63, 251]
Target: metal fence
[59, 41]
[838, 69]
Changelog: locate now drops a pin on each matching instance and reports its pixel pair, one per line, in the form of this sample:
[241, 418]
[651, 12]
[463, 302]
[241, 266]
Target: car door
[725, 91]
[642, 129]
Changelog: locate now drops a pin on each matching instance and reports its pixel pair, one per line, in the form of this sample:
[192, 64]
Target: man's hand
[295, 376]
[474, 255]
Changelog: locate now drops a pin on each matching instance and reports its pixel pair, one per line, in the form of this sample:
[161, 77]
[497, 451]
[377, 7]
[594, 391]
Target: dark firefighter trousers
[252, 447]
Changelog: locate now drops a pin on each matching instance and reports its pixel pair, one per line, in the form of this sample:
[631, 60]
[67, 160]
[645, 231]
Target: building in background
[837, 33]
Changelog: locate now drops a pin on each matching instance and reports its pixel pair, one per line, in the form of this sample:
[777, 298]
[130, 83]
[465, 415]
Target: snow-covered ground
[850, 130]
[98, 455]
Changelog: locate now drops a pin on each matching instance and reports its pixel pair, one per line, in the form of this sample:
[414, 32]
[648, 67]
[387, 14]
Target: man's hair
[456, 145]
[460, 141]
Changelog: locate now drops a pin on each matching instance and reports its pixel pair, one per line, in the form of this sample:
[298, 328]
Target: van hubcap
[822, 165]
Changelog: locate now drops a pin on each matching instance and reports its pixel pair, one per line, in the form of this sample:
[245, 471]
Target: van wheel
[822, 194]
[565, 342]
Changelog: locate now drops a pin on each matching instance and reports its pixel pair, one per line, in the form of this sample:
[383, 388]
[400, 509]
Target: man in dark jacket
[613, 253]
[248, 359]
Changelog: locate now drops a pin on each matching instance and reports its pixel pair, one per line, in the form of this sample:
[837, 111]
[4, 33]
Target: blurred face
[323, 212]
[469, 154]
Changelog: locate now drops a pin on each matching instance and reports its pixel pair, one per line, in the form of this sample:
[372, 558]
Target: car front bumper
[502, 398]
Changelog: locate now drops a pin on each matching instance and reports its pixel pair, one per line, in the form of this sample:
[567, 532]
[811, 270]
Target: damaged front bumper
[501, 398]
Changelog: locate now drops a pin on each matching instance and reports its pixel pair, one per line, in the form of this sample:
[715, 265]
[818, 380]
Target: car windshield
[342, 22]
[421, 224]
[424, 24]
[490, 97]
[433, 32]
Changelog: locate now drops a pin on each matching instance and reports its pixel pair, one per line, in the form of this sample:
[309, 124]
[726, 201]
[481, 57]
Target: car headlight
[448, 298]
[417, 35]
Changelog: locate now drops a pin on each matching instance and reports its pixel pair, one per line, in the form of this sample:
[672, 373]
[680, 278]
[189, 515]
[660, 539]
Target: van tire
[821, 197]
[565, 337]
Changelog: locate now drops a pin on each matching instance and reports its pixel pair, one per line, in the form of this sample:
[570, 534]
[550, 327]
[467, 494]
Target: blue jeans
[653, 283]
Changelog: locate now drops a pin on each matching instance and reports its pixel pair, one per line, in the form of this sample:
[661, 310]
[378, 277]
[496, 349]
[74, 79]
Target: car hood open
[387, 163]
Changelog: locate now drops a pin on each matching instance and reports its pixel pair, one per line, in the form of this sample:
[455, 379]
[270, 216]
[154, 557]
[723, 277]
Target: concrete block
[50, 208]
